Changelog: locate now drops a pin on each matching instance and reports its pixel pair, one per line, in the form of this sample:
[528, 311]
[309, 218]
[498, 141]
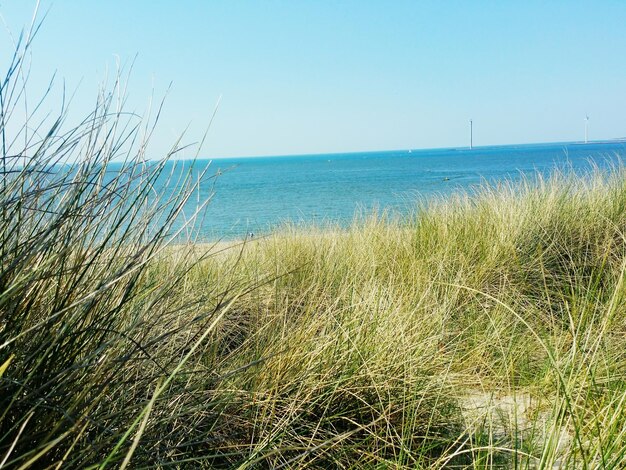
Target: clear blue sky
[331, 76]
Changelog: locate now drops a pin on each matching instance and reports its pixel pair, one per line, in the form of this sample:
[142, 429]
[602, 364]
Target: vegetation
[486, 331]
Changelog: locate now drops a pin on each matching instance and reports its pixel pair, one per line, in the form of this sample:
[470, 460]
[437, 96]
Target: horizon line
[613, 140]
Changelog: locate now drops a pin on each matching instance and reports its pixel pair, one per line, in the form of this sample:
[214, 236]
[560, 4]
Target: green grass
[485, 331]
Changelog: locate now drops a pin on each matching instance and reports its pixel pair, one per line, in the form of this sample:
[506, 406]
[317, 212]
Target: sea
[255, 195]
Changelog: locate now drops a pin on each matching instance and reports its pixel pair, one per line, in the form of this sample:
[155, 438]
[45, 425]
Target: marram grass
[485, 331]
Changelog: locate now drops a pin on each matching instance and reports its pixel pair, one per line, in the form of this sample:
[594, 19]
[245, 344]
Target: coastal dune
[485, 330]
[488, 329]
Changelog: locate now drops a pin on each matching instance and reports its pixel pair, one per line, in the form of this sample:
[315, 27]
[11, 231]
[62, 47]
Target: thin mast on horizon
[586, 127]
[471, 134]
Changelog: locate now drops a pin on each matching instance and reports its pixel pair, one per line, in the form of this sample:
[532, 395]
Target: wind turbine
[586, 127]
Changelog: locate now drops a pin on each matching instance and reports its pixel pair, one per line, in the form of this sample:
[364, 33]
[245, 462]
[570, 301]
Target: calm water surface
[256, 194]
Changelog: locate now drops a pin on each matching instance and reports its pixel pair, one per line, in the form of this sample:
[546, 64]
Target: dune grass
[485, 331]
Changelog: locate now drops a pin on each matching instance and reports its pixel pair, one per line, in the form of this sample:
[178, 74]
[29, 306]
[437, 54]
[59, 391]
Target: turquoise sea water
[258, 194]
